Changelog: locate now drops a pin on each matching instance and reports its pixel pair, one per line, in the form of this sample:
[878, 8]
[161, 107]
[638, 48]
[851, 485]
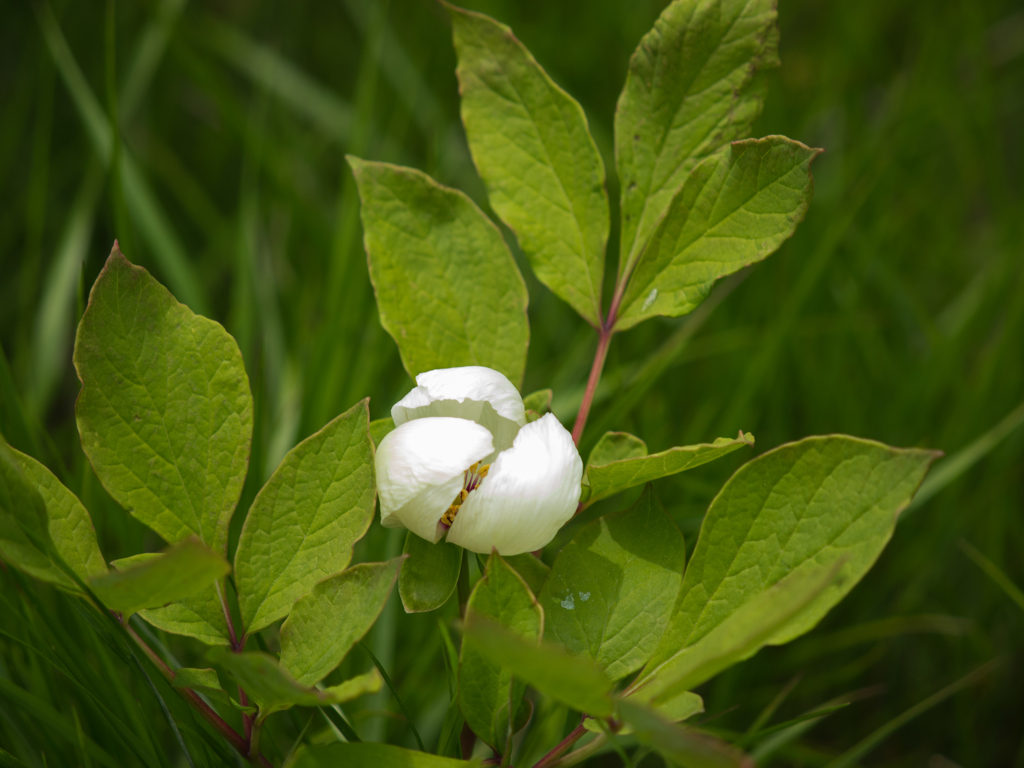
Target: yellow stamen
[473, 476]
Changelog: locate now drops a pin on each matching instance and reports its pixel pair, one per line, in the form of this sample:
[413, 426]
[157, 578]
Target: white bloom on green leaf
[462, 461]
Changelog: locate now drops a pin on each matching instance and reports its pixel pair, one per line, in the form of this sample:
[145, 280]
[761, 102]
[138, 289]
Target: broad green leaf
[530, 142]
[691, 88]
[200, 616]
[735, 208]
[801, 506]
[678, 744]
[165, 411]
[269, 685]
[304, 521]
[612, 588]
[738, 637]
[324, 625]
[204, 681]
[533, 570]
[486, 688]
[607, 479]
[448, 289]
[678, 708]
[69, 523]
[369, 755]
[429, 576]
[24, 524]
[183, 570]
[539, 402]
[573, 681]
[379, 428]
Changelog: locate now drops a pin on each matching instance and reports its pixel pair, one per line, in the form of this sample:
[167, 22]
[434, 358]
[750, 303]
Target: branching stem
[240, 744]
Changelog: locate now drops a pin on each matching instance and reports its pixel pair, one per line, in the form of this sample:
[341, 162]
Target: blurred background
[209, 139]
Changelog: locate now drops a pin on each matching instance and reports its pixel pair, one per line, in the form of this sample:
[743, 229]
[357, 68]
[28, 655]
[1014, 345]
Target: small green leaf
[304, 521]
[573, 681]
[539, 402]
[486, 687]
[165, 411]
[202, 680]
[735, 208]
[616, 446]
[430, 574]
[803, 505]
[324, 625]
[530, 142]
[693, 86]
[738, 637]
[24, 523]
[69, 523]
[379, 428]
[368, 755]
[448, 289]
[533, 570]
[678, 744]
[273, 689]
[200, 616]
[182, 571]
[608, 475]
[613, 587]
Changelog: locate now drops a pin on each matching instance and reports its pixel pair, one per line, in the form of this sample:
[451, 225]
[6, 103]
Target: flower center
[471, 480]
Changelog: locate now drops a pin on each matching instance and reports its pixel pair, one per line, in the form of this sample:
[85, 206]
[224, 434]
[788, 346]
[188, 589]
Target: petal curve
[470, 392]
[531, 490]
[419, 470]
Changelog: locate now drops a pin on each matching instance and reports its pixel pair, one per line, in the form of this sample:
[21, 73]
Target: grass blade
[853, 756]
[394, 692]
[994, 572]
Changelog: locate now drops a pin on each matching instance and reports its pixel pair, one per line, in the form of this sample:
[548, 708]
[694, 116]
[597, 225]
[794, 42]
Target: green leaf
[693, 86]
[573, 681]
[613, 587]
[24, 523]
[269, 685]
[609, 475]
[616, 446]
[448, 289]
[742, 634]
[304, 521]
[530, 142]
[678, 744]
[200, 616]
[803, 505]
[487, 688]
[379, 428]
[182, 571]
[735, 208]
[368, 755]
[204, 681]
[324, 625]
[165, 411]
[429, 576]
[533, 570]
[539, 402]
[69, 524]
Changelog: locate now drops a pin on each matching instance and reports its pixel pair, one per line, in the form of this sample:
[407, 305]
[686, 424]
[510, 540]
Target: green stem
[463, 584]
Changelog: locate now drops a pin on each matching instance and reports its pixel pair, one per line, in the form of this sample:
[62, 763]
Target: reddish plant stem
[562, 747]
[604, 338]
[240, 744]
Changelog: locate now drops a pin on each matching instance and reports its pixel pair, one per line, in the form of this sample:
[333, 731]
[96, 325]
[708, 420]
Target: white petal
[419, 470]
[473, 392]
[531, 490]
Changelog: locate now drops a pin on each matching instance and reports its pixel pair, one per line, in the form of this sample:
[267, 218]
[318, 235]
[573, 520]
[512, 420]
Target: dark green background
[896, 312]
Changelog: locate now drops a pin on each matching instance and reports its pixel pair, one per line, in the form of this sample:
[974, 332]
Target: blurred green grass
[896, 312]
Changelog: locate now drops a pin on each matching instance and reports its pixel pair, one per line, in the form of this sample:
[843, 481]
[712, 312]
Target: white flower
[463, 461]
